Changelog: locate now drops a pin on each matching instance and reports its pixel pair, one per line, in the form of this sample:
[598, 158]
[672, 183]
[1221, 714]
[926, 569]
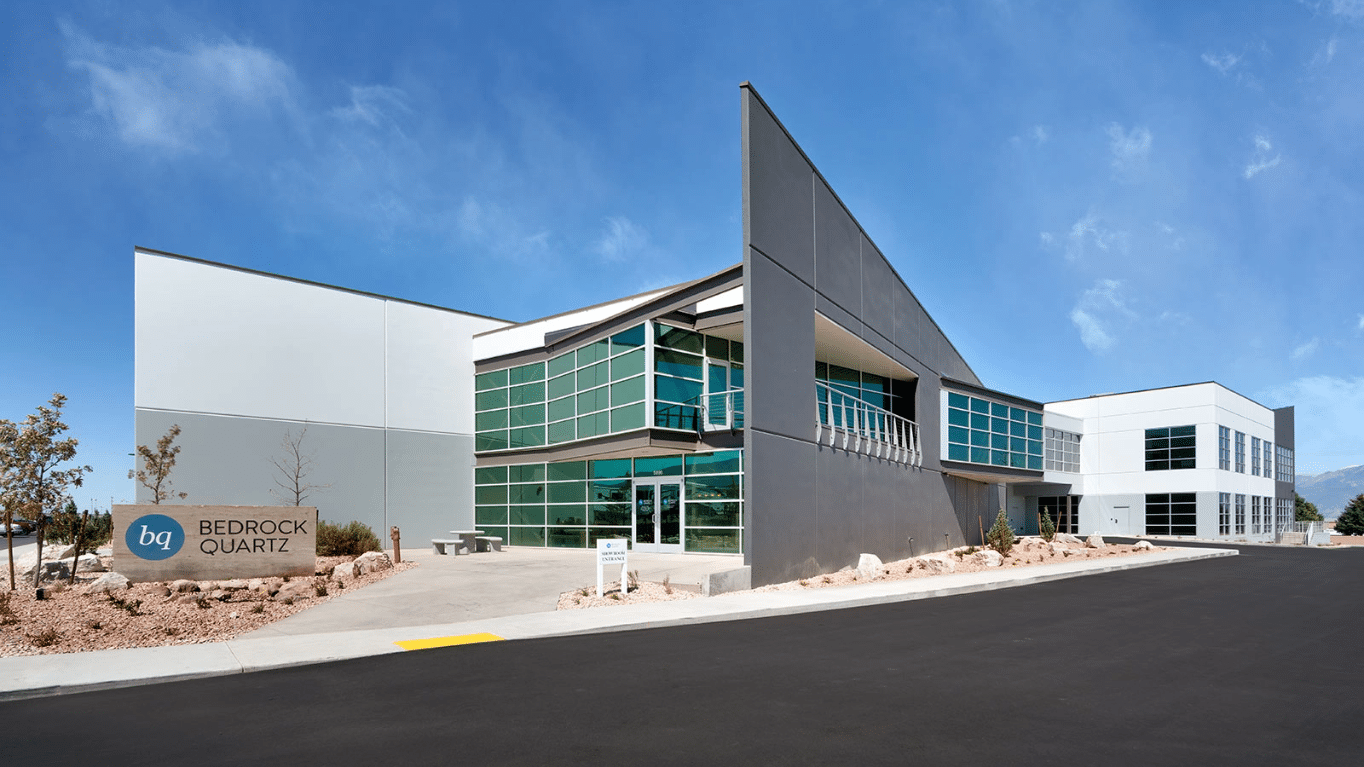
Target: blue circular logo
[154, 536]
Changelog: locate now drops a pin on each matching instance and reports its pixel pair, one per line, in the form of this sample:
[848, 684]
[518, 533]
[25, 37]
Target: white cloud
[1046, 238]
[621, 240]
[1328, 416]
[1305, 350]
[1089, 235]
[1260, 160]
[1223, 63]
[1349, 9]
[176, 100]
[1130, 148]
[1096, 311]
[1040, 134]
[1361, 322]
[499, 233]
[378, 106]
[1326, 53]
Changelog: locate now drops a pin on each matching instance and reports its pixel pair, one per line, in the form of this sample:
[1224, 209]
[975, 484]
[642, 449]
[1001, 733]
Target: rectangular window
[1283, 471]
[1063, 451]
[1224, 448]
[1269, 460]
[1255, 457]
[1240, 452]
[1170, 447]
[1255, 515]
[1240, 514]
[1007, 431]
[1063, 510]
[1171, 514]
[1224, 513]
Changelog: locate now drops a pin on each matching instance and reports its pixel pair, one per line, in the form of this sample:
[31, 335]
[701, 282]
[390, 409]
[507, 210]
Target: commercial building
[797, 408]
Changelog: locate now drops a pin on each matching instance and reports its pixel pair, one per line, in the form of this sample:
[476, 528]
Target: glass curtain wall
[684, 363]
[571, 504]
[993, 433]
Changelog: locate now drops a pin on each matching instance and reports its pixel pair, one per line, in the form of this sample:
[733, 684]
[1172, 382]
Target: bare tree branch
[293, 467]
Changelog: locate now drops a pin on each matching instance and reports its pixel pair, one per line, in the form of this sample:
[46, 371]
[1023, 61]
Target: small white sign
[611, 551]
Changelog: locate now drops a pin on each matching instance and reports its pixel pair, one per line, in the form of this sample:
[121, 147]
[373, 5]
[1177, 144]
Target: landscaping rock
[870, 567]
[237, 584]
[1095, 541]
[939, 566]
[183, 586]
[161, 591]
[55, 571]
[1068, 538]
[1057, 547]
[295, 590]
[345, 570]
[108, 582]
[988, 557]
[1144, 545]
[89, 563]
[372, 562]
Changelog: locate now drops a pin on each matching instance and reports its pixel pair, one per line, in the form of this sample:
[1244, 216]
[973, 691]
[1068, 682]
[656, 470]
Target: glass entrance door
[658, 515]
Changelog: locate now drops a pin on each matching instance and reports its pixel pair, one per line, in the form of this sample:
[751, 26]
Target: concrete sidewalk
[42, 675]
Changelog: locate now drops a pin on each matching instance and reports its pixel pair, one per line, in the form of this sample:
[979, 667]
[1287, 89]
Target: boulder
[183, 586]
[1143, 546]
[236, 584]
[108, 582]
[1095, 541]
[1068, 538]
[939, 566]
[988, 557]
[58, 551]
[345, 570]
[372, 562]
[295, 589]
[55, 571]
[1057, 547]
[89, 563]
[870, 567]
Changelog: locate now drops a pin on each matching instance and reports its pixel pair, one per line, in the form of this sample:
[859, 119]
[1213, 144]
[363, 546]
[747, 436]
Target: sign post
[611, 551]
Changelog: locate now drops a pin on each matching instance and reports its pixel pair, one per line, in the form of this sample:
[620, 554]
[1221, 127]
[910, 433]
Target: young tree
[1351, 521]
[156, 466]
[1000, 536]
[34, 484]
[8, 434]
[292, 469]
[1304, 510]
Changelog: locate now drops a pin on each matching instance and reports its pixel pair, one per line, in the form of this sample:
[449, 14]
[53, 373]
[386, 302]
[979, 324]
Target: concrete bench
[489, 543]
[438, 545]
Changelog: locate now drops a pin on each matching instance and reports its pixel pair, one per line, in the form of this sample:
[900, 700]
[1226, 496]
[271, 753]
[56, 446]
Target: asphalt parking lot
[1243, 660]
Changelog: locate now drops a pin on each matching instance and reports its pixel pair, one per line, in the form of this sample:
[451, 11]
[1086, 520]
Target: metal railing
[723, 411]
[842, 420]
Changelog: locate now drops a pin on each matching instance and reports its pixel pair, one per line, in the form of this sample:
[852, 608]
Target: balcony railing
[842, 420]
[723, 411]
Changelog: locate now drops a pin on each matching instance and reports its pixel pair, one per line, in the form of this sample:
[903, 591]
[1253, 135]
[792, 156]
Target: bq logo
[154, 536]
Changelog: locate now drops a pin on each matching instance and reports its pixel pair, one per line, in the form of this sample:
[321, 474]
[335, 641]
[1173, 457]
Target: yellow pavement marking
[426, 644]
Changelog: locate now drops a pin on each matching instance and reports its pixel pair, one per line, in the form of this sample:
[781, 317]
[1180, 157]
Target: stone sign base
[163, 542]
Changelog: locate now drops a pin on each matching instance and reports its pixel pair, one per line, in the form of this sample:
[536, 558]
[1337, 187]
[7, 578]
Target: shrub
[1001, 535]
[1047, 527]
[64, 524]
[351, 539]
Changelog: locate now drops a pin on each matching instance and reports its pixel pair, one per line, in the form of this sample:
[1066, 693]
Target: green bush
[1048, 527]
[1000, 536]
[351, 539]
[64, 524]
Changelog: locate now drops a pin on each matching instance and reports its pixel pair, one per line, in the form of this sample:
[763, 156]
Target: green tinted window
[527, 393]
[677, 338]
[594, 425]
[561, 432]
[957, 417]
[726, 461]
[567, 470]
[490, 515]
[627, 339]
[631, 390]
[713, 514]
[957, 400]
[658, 466]
[485, 381]
[490, 494]
[527, 373]
[610, 491]
[562, 386]
[627, 365]
[999, 411]
[527, 415]
[957, 434]
[560, 409]
[676, 389]
[487, 400]
[526, 436]
[713, 540]
[522, 494]
[717, 348]
[957, 453]
[561, 364]
[593, 376]
[979, 406]
[567, 492]
[492, 440]
[528, 515]
[591, 353]
[611, 468]
[490, 475]
[628, 417]
[493, 419]
[568, 537]
[527, 472]
[707, 488]
[527, 536]
[1034, 418]
[736, 351]
[569, 514]
[821, 371]
[609, 513]
[677, 363]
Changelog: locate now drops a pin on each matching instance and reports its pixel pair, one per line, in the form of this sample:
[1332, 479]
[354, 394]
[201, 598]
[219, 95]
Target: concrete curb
[45, 675]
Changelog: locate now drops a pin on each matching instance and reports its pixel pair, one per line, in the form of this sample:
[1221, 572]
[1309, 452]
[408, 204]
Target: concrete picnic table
[469, 538]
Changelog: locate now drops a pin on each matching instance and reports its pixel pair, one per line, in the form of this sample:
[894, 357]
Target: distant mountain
[1332, 490]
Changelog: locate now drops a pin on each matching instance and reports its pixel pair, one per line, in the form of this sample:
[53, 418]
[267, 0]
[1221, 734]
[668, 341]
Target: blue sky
[1087, 197]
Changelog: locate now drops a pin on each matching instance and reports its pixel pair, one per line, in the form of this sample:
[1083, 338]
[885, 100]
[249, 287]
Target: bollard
[397, 552]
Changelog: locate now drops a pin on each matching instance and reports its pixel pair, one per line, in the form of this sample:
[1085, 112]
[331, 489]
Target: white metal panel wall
[217, 340]
[431, 368]
[531, 335]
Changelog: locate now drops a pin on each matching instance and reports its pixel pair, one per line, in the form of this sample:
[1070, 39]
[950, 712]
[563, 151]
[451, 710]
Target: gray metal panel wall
[1283, 435]
[811, 508]
[430, 485]
[226, 461]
